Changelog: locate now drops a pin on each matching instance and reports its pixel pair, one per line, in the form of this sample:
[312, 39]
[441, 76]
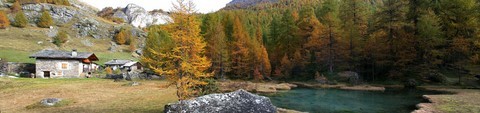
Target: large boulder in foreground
[239, 101]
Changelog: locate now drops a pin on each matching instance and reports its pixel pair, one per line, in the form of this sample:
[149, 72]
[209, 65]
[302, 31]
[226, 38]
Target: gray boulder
[239, 101]
[50, 101]
[410, 83]
[120, 14]
[350, 77]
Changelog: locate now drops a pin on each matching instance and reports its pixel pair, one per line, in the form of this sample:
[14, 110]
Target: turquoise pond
[346, 101]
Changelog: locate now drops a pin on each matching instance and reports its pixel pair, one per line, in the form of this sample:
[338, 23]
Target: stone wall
[17, 68]
[74, 68]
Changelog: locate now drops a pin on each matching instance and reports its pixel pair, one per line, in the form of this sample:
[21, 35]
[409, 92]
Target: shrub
[209, 88]
[132, 47]
[118, 71]
[122, 36]
[4, 22]
[45, 20]
[20, 20]
[16, 7]
[61, 38]
[108, 70]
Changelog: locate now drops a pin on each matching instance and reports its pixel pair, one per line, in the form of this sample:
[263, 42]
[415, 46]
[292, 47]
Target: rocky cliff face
[139, 17]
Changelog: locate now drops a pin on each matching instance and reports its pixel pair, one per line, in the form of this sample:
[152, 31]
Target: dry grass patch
[85, 95]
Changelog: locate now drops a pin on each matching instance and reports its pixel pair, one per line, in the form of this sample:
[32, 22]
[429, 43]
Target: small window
[64, 66]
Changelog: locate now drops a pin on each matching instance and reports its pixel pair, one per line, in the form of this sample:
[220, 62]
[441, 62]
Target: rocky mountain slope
[87, 32]
[139, 17]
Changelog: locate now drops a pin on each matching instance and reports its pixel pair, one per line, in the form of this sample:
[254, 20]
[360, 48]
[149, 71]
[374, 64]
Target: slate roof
[117, 62]
[56, 54]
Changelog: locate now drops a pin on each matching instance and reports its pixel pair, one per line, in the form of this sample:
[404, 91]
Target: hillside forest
[296, 40]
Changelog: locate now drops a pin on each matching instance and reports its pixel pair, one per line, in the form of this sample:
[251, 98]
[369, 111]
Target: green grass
[17, 44]
[107, 56]
[16, 56]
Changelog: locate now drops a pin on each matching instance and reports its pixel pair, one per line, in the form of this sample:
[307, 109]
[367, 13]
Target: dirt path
[87, 95]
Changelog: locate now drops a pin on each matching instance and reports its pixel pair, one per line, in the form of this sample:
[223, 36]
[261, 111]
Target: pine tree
[328, 14]
[157, 40]
[217, 47]
[241, 55]
[61, 38]
[4, 22]
[131, 46]
[45, 20]
[354, 14]
[121, 37]
[16, 7]
[185, 64]
[20, 20]
[429, 37]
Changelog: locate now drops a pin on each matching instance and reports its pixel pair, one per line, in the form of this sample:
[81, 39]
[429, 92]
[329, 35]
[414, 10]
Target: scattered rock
[52, 32]
[40, 42]
[89, 27]
[133, 84]
[87, 42]
[239, 101]
[113, 47]
[60, 14]
[50, 101]
[139, 51]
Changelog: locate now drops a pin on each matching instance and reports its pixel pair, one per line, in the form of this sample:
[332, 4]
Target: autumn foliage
[20, 20]
[4, 22]
[185, 64]
[45, 20]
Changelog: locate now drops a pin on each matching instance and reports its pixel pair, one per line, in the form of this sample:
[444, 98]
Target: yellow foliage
[185, 64]
[108, 70]
[45, 20]
[16, 7]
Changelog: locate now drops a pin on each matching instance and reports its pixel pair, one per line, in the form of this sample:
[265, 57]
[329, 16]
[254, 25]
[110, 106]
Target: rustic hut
[64, 64]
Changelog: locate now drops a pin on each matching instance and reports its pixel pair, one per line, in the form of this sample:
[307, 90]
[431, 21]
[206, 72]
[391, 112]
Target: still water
[346, 101]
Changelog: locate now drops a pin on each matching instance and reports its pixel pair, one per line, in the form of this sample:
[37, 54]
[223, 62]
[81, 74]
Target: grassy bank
[84, 95]
[460, 101]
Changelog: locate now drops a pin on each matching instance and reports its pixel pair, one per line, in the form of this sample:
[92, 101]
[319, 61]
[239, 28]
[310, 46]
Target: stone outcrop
[60, 14]
[50, 101]
[139, 17]
[239, 101]
[90, 27]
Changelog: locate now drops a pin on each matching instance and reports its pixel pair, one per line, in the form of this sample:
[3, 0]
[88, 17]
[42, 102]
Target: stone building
[64, 64]
[124, 65]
